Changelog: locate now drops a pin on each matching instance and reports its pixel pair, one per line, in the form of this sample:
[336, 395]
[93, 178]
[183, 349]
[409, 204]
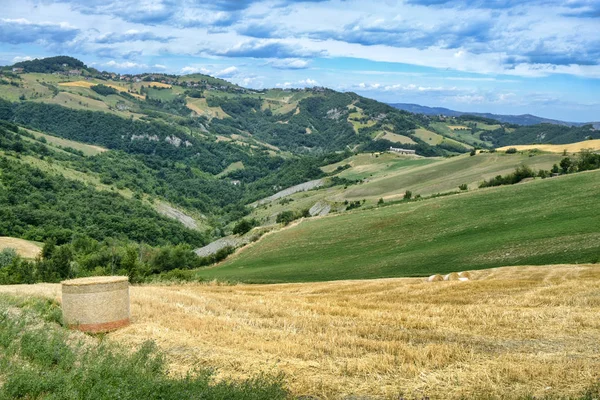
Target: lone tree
[565, 164]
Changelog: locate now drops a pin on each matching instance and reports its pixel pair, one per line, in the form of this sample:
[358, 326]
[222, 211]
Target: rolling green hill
[542, 222]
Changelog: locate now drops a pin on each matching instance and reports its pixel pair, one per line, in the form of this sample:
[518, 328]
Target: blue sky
[504, 56]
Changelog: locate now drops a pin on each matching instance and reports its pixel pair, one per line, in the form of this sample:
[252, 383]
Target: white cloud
[125, 65]
[22, 58]
[194, 70]
[290, 63]
[228, 72]
[308, 82]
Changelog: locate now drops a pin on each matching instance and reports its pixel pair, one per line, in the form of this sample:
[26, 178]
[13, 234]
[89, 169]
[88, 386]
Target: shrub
[244, 226]
[463, 186]
[511, 150]
[103, 90]
[285, 217]
[407, 195]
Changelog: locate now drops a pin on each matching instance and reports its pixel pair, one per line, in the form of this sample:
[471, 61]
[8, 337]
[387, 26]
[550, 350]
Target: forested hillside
[541, 133]
[99, 155]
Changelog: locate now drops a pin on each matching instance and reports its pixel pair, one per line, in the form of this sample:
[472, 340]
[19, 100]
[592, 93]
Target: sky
[503, 56]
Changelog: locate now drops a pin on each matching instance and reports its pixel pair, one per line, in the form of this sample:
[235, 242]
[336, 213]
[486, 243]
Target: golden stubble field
[509, 333]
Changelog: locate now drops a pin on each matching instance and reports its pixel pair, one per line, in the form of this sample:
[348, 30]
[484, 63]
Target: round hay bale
[435, 278]
[453, 276]
[96, 304]
[465, 274]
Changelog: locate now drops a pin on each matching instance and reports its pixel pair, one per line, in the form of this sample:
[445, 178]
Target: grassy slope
[388, 176]
[542, 222]
[87, 149]
[446, 175]
[24, 248]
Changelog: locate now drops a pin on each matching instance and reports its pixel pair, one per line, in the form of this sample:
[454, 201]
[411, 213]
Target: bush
[463, 186]
[511, 150]
[521, 172]
[244, 226]
[285, 217]
[408, 195]
[104, 90]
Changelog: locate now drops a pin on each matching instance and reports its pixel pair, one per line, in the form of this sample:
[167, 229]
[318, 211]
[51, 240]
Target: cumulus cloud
[228, 72]
[289, 63]
[21, 30]
[132, 36]
[125, 65]
[308, 82]
[262, 49]
[194, 70]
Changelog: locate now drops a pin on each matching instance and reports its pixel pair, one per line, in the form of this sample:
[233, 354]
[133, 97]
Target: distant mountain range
[525, 119]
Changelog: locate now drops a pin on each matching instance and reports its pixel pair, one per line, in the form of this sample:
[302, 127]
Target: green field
[428, 137]
[542, 222]
[87, 149]
[443, 175]
[462, 134]
[388, 176]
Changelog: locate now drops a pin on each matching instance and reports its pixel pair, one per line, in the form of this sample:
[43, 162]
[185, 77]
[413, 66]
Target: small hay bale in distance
[465, 275]
[435, 278]
[96, 304]
[453, 276]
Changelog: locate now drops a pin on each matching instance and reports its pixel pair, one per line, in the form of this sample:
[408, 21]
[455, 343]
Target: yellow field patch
[84, 84]
[159, 85]
[457, 127]
[24, 248]
[201, 107]
[507, 333]
[558, 148]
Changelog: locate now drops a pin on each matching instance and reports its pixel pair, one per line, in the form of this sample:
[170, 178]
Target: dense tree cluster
[542, 133]
[36, 205]
[50, 64]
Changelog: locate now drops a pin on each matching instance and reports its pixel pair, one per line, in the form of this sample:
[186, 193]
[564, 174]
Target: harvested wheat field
[24, 248]
[508, 333]
[558, 148]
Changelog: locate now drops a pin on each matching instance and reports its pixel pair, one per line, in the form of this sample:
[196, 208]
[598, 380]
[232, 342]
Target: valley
[278, 242]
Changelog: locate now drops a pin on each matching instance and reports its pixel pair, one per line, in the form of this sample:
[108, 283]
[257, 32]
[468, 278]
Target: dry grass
[457, 127]
[201, 107]
[87, 84]
[558, 148]
[395, 138]
[24, 248]
[159, 85]
[510, 332]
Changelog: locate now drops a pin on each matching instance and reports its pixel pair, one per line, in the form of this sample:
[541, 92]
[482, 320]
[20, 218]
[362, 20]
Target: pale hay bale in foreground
[96, 304]
[453, 276]
[435, 278]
